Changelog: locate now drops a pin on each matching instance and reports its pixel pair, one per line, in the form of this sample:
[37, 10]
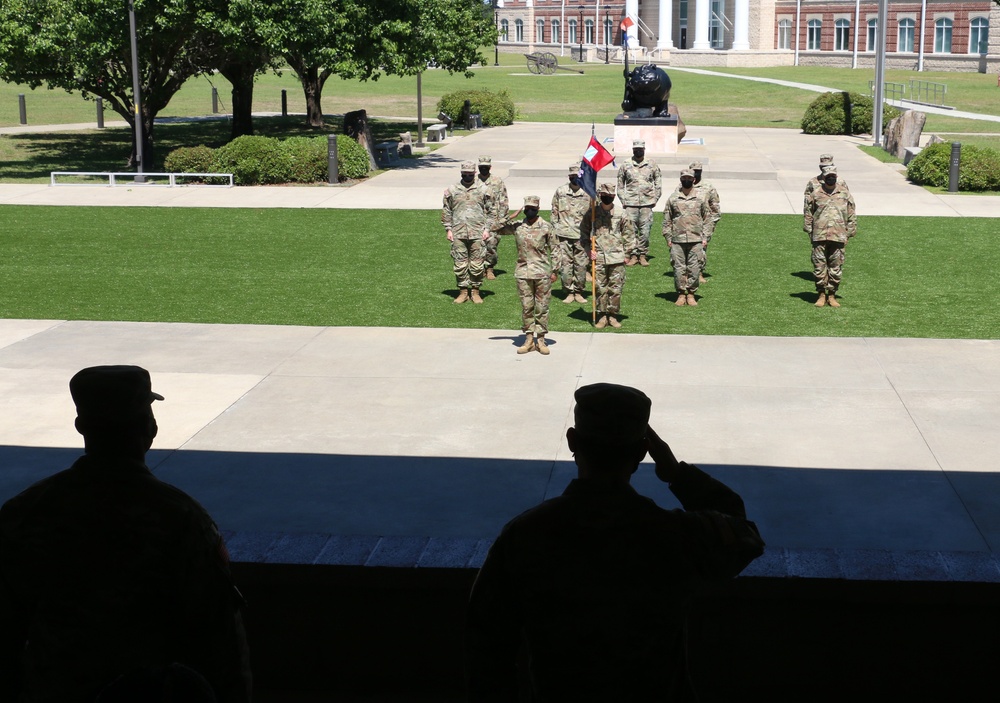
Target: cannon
[545, 63]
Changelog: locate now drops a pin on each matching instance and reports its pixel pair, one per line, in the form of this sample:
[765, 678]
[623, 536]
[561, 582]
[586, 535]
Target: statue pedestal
[659, 133]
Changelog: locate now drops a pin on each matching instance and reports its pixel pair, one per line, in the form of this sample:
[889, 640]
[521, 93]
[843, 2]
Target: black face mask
[574, 180]
[468, 178]
[687, 182]
[484, 171]
[638, 154]
[607, 199]
[830, 180]
[530, 212]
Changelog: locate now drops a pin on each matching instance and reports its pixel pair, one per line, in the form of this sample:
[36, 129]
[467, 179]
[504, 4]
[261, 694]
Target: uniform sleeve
[446, 210]
[668, 222]
[852, 217]
[505, 226]
[657, 184]
[716, 206]
[621, 184]
[707, 221]
[554, 211]
[807, 212]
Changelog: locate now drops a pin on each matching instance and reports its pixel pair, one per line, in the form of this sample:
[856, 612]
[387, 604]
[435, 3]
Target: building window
[504, 30]
[979, 35]
[785, 34]
[814, 35]
[906, 29]
[572, 31]
[556, 32]
[872, 35]
[608, 32]
[716, 30]
[588, 31]
[842, 35]
[942, 35]
[539, 30]
[519, 30]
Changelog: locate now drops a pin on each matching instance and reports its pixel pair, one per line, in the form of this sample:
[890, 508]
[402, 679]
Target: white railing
[143, 179]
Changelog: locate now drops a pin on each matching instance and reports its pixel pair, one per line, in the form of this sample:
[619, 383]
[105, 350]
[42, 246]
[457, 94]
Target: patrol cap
[696, 166]
[638, 144]
[485, 161]
[828, 168]
[687, 172]
[825, 159]
[574, 168]
[112, 392]
[531, 201]
[468, 167]
[606, 189]
[607, 411]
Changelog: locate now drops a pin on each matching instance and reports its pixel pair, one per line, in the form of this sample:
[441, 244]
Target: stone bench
[436, 132]
[909, 152]
[386, 153]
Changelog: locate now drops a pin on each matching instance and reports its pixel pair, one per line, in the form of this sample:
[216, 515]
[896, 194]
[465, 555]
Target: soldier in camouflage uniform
[713, 203]
[106, 570]
[537, 246]
[496, 208]
[569, 204]
[639, 190]
[466, 224]
[825, 162]
[609, 235]
[830, 220]
[687, 219]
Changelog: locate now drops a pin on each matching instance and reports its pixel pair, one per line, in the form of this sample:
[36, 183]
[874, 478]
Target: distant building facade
[936, 35]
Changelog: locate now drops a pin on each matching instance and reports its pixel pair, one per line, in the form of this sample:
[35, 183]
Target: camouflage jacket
[639, 183]
[613, 234]
[829, 217]
[496, 197]
[536, 246]
[568, 209]
[104, 569]
[596, 580]
[712, 195]
[464, 210]
[687, 218]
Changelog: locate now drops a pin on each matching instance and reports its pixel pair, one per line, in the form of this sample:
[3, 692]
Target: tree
[83, 45]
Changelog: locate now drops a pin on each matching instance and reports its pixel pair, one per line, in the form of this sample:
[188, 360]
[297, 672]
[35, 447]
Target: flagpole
[593, 265]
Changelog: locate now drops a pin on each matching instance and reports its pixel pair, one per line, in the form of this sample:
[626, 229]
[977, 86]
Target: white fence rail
[143, 179]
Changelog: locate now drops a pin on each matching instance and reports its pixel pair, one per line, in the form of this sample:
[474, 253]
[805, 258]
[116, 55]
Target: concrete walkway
[867, 458]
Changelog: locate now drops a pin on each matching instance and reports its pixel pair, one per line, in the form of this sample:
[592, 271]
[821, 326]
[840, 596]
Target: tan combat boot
[541, 347]
[475, 296]
[831, 300]
[529, 344]
[642, 260]
[821, 300]
[701, 278]
[463, 295]
[613, 321]
[691, 301]
[632, 261]
[602, 321]
[490, 276]
[681, 299]
[580, 298]
[570, 298]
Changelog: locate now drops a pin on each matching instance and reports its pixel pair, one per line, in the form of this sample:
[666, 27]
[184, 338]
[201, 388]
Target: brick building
[921, 34]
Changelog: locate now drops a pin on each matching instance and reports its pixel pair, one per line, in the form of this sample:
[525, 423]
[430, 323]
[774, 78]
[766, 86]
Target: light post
[136, 95]
[579, 32]
[496, 45]
[607, 46]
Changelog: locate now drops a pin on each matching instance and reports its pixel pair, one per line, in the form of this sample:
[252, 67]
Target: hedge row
[496, 109]
[262, 160]
[828, 114]
[978, 168]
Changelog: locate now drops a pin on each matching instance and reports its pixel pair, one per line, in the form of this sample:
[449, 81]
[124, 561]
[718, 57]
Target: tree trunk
[241, 75]
[313, 89]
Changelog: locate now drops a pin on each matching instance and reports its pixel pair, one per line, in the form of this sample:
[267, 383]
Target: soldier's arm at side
[13, 635]
[852, 217]
[807, 213]
[446, 214]
[668, 223]
[657, 184]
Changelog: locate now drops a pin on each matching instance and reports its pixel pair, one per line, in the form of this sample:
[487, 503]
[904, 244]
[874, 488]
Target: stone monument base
[659, 133]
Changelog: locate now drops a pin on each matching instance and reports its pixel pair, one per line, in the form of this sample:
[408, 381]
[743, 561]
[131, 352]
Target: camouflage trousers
[704, 251]
[535, 295]
[468, 255]
[573, 261]
[491, 255]
[828, 265]
[642, 220]
[610, 281]
[687, 258]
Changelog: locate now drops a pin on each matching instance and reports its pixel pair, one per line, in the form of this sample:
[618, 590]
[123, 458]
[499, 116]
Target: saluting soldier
[496, 209]
[536, 246]
[639, 189]
[830, 220]
[466, 224]
[687, 219]
[569, 204]
[609, 235]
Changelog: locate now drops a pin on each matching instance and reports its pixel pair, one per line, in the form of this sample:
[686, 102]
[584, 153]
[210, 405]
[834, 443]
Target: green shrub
[496, 109]
[308, 156]
[827, 114]
[254, 161]
[978, 169]
[189, 159]
[352, 159]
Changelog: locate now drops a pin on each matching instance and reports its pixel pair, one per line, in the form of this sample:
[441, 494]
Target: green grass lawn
[903, 276]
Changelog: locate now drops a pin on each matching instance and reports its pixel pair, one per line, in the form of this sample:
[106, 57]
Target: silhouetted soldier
[594, 582]
[105, 570]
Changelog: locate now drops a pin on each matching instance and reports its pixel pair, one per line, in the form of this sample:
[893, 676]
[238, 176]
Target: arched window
[907, 25]
[872, 35]
[979, 36]
[539, 30]
[556, 32]
[504, 30]
[588, 31]
[814, 35]
[842, 35]
[785, 34]
[519, 30]
[942, 35]
[572, 31]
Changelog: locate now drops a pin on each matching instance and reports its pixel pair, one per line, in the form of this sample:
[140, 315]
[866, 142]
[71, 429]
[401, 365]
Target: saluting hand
[666, 463]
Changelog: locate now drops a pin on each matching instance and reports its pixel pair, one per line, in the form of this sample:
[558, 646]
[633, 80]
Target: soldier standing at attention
[466, 223]
[496, 209]
[609, 236]
[687, 220]
[825, 162]
[712, 195]
[569, 204]
[830, 220]
[639, 190]
[536, 246]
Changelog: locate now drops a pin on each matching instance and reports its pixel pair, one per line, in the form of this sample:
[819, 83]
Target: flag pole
[593, 266]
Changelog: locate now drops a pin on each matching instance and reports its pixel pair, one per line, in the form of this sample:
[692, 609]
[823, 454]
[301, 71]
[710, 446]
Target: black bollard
[100, 113]
[956, 159]
[284, 103]
[22, 109]
[331, 159]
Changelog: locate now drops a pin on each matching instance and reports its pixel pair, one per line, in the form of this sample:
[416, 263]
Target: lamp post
[579, 32]
[136, 96]
[607, 47]
[496, 45]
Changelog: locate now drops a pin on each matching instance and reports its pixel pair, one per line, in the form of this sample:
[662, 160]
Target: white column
[666, 27]
[632, 10]
[741, 26]
[701, 17]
